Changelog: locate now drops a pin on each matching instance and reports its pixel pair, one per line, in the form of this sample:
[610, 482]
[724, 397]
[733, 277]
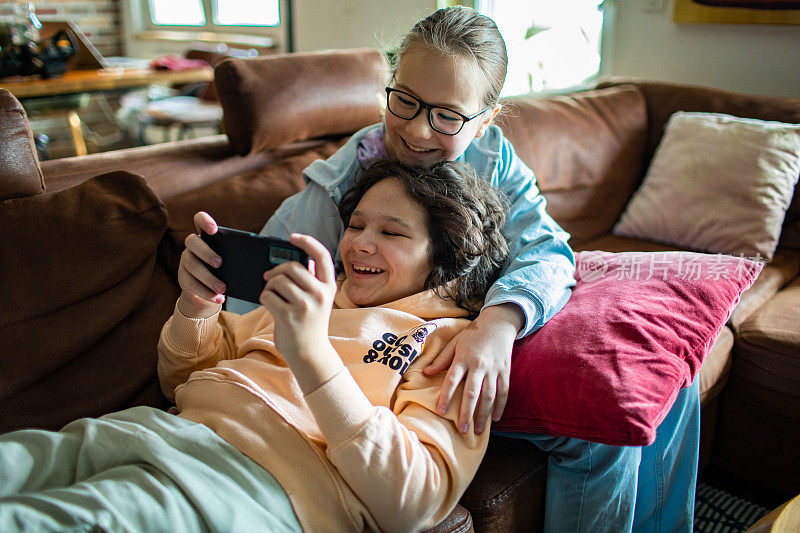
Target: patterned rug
[717, 511]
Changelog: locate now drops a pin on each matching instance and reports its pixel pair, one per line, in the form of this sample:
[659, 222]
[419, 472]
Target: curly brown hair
[465, 216]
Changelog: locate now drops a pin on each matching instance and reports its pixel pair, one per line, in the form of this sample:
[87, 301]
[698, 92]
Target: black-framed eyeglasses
[444, 120]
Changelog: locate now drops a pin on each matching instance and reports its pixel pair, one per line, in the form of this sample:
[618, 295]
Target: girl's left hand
[300, 300]
[480, 355]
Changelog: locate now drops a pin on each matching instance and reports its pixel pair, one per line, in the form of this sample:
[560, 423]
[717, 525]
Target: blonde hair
[463, 32]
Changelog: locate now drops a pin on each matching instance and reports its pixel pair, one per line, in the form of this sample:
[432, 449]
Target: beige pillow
[717, 183]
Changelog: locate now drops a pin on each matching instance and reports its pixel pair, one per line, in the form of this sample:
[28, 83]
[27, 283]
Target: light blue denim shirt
[537, 278]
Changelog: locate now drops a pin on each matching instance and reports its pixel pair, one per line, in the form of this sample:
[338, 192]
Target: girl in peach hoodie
[311, 412]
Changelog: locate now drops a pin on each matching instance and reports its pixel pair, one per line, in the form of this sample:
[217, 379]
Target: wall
[325, 24]
[317, 24]
[751, 58]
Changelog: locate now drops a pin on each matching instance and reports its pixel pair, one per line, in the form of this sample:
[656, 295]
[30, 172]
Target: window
[262, 23]
[177, 13]
[551, 45]
[246, 13]
[225, 12]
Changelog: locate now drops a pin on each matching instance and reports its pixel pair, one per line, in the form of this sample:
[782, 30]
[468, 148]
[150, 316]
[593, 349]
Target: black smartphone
[245, 258]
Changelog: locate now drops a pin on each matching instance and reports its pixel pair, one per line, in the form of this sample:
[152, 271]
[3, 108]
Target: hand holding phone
[245, 258]
[300, 300]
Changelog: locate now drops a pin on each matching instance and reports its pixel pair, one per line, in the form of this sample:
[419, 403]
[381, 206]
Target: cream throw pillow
[717, 183]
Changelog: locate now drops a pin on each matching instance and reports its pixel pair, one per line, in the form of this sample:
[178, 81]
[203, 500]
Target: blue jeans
[598, 487]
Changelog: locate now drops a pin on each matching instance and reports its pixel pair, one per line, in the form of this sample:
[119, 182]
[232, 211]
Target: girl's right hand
[202, 293]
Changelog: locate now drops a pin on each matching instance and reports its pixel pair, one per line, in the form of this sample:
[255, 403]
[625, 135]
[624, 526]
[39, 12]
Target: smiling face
[386, 256]
[443, 80]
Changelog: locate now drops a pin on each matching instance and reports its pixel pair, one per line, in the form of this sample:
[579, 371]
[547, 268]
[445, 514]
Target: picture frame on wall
[737, 11]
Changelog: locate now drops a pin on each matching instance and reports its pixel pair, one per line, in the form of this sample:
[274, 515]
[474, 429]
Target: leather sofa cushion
[80, 282]
[758, 429]
[274, 100]
[19, 167]
[458, 521]
[785, 266]
[508, 490]
[716, 368]
[775, 326]
[586, 150]
[169, 168]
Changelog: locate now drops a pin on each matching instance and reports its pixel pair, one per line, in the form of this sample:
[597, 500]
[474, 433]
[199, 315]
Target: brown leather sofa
[88, 263]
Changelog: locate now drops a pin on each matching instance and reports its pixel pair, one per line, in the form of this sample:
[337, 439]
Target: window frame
[280, 35]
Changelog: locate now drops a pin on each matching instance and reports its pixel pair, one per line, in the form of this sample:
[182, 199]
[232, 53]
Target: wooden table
[88, 81]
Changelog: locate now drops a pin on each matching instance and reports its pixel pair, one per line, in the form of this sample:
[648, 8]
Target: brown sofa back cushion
[83, 301]
[19, 167]
[274, 100]
[586, 150]
[664, 98]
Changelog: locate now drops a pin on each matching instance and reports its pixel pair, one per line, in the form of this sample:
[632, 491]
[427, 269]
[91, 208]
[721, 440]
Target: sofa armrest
[19, 166]
[170, 168]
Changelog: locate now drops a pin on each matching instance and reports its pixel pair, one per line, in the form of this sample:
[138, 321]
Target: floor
[727, 504]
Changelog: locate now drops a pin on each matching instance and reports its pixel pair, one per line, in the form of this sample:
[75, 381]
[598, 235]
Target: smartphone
[245, 258]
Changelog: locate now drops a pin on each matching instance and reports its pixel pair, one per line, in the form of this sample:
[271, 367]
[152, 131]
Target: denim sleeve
[541, 270]
[312, 212]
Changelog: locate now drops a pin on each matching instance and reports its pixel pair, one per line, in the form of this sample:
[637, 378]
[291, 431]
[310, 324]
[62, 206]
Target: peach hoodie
[364, 451]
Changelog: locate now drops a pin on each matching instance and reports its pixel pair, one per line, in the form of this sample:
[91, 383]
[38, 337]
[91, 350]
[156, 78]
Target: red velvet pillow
[608, 366]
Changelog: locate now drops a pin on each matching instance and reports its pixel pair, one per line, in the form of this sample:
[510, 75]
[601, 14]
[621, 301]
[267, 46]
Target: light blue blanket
[137, 470]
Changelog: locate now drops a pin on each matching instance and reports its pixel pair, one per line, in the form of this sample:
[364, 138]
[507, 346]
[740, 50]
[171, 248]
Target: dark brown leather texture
[83, 299]
[586, 150]
[271, 101]
[197, 162]
[716, 368]
[508, 495]
[775, 327]
[458, 521]
[784, 267]
[759, 420]
[19, 165]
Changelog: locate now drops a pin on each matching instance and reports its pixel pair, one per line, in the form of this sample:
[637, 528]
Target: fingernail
[216, 262]
[441, 409]
[219, 287]
[464, 428]
[479, 429]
